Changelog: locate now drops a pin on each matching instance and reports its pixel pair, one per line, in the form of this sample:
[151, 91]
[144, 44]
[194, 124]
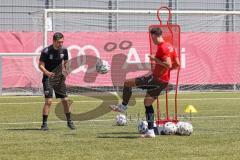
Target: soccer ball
[121, 120]
[142, 127]
[169, 128]
[184, 128]
[102, 67]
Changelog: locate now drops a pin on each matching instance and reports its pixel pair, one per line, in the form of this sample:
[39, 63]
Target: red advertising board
[206, 58]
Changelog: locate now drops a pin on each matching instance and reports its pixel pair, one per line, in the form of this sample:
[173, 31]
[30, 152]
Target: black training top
[52, 58]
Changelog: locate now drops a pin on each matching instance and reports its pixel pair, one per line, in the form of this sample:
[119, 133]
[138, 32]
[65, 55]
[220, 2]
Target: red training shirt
[164, 50]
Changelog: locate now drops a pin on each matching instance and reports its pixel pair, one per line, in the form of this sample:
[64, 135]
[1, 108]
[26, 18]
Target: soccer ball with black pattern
[142, 127]
[169, 128]
[121, 120]
[102, 67]
[184, 128]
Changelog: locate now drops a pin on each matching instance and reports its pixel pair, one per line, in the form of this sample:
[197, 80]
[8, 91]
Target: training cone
[190, 109]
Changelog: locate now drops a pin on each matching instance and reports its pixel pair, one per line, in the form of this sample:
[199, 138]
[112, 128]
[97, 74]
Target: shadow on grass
[127, 135]
[119, 133]
[24, 129]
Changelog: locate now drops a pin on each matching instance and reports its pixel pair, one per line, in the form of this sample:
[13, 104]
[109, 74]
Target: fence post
[0, 75]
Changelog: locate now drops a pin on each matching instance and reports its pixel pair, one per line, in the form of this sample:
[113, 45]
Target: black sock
[68, 116]
[124, 103]
[44, 119]
[127, 93]
[150, 116]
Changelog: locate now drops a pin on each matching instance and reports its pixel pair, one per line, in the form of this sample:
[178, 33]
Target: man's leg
[45, 112]
[67, 112]
[127, 93]
[61, 92]
[149, 111]
[48, 93]
[127, 90]
[154, 90]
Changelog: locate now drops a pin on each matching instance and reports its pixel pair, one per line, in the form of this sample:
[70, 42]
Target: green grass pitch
[216, 131]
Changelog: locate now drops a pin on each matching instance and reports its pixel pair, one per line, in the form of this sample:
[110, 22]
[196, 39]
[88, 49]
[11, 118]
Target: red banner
[207, 58]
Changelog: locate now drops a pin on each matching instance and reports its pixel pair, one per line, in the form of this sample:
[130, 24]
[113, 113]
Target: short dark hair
[156, 30]
[57, 36]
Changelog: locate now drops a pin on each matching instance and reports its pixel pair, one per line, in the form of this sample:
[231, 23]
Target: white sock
[124, 106]
[151, 131]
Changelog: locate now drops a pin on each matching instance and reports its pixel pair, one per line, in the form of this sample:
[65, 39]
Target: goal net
[209, 49]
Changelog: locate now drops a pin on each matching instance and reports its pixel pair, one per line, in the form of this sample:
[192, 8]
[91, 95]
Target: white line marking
[106, 120]
[53, 122]
[172, 93]
[206, 117]
[139, 100]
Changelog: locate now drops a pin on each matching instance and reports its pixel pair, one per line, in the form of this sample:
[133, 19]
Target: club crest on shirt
[46, 93]
[61, 56]
[50, 56]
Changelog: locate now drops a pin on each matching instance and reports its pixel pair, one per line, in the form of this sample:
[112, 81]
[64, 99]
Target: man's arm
[166, 64]
[41, 66]
[176, 63]
[65, 64]
[64, 68]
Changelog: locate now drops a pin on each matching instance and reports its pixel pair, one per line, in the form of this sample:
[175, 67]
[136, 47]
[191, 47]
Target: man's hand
[65, 72]
[152, 57]
[49, 74]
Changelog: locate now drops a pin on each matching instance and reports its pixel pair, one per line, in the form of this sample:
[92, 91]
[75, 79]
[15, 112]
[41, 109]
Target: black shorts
[59, 88]
[153, 87]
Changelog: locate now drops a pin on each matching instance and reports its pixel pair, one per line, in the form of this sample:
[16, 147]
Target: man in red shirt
[163, 62]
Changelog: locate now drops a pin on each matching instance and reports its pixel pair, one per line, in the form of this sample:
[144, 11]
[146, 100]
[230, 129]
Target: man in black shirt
[52, 63]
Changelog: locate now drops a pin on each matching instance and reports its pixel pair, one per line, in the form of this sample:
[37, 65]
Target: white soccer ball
[102, 67]
[169, 128]
[121, 120]
[184, 128]
[142, 127]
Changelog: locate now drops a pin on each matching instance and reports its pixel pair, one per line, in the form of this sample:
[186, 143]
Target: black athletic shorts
[153, 87]
[58, 87]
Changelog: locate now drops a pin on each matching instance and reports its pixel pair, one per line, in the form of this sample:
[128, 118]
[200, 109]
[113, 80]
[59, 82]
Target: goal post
[18, 90]
[46, 12]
